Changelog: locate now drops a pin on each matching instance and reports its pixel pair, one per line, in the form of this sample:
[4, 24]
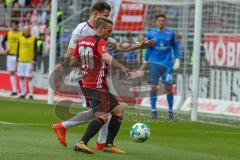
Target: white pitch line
[22, 124]
[220, 124]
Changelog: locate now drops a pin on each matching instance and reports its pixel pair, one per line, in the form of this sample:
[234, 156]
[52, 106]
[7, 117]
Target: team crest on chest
[104, 48]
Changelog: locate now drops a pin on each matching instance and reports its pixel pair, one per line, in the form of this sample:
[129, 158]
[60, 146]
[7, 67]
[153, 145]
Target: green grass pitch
[26, 134]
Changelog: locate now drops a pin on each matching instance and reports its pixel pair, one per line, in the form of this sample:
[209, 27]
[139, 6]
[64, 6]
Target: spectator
[34, 17]
[47, 42]
[35, 30]
[40, 44]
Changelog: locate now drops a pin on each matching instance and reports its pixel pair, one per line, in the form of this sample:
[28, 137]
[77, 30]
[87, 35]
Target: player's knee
[168, 89]
[154, 88]
[118, 111]
[102, 115]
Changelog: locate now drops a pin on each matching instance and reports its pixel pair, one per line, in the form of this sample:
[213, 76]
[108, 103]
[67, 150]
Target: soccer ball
[140, 132]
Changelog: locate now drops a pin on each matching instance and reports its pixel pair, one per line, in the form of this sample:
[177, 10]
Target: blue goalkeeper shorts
[159, 72]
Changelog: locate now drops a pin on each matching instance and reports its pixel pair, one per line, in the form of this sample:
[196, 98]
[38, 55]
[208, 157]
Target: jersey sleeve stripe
[83, 28]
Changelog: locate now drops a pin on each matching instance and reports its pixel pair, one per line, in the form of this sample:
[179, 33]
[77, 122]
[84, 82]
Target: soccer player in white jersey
[86, 29]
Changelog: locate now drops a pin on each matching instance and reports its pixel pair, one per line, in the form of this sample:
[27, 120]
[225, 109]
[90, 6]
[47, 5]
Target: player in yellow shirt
[10, 48]
[26, 57]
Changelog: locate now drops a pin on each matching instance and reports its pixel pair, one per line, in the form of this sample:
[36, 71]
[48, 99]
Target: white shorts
[11, 63]
[25, 69]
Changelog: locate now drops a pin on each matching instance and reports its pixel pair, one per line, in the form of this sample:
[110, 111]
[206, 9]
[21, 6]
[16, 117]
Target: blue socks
[153, 97]
[170, 101]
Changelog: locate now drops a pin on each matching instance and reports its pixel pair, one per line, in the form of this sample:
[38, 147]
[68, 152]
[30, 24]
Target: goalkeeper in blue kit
[163, 58]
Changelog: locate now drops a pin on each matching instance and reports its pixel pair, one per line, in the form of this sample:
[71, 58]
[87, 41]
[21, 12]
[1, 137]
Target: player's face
[14, 26]
[161, 22]
[106, 32]
[105, 13]
[27, 31]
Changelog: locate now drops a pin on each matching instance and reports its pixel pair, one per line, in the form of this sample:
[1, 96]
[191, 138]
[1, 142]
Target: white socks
[84, 103]
[30, 82]
[80, 118]
[23, 87]
[102, 136]
[13, 83]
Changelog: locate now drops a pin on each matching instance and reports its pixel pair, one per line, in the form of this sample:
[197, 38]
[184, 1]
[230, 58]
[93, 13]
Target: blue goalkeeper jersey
[165, 50]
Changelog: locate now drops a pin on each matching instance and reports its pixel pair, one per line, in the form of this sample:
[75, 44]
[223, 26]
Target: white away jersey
[83, 29]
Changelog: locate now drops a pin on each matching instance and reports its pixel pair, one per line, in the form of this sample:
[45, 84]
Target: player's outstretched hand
[176, 64]
[136, 74]
[147, 43]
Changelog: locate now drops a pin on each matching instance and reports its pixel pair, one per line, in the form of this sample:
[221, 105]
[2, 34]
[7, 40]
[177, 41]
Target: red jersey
[90, 50]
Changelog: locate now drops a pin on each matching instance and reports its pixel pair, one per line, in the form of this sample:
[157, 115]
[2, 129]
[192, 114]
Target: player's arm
[75, 62]
[176, 53]
[149, 50]
[72, 44]
[18, 49]
[107, 58]
[140, 72]
[4, 43]
[35, 51]
[75, 59]
[119, 47]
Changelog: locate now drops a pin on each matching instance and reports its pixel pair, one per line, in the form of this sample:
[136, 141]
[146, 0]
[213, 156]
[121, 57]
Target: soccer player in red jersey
[92, 55]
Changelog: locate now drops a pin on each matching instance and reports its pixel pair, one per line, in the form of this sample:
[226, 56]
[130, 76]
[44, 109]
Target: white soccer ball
[140, 132]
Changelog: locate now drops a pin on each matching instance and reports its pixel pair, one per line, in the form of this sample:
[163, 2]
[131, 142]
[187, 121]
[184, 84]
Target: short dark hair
[102, 22]
[15, 22]
[161, 16]
[100, 7]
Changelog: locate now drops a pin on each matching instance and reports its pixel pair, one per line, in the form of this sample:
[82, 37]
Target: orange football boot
[60, 131]
[112, 149]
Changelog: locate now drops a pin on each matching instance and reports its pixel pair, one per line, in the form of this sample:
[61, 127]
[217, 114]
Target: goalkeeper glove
[176, 64]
